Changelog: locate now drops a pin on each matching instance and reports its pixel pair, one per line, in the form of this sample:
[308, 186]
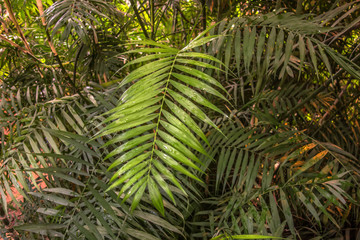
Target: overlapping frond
[77, 16]
[273, 49]
[279, 102]
[262, 178]
[55, 168]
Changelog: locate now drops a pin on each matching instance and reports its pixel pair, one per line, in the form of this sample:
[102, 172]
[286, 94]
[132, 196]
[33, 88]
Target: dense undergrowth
[233, 118]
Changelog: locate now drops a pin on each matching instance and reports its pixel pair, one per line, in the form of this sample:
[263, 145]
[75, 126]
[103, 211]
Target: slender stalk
[335, 114]
[20, 48]
[152, 19]
[299, 7]
[161, 16]
[41, 11]
[18, 28]
[75, 64]
[13, 19]
[278, 5]
[183, 17]
[194, 27]
[139, 19]
[203, 14]
[174, 23]
[3, 23]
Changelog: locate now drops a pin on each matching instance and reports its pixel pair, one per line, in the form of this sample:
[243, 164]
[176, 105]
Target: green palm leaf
[156, 116]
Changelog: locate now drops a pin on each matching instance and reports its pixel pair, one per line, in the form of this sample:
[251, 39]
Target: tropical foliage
[179, 119]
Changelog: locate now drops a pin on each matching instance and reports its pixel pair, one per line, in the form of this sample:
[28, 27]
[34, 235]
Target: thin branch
[152, 19]
[299, 7]
[203, 14]
[75, 64]
[13, 19]
[335, 114]
[19, 48]
[3, 23]
[139, 19]
[182, 14]
[278, 5]
[22, 36]
[161, 16]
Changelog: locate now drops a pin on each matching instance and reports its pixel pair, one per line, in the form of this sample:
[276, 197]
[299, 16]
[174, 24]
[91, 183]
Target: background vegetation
[179, 119]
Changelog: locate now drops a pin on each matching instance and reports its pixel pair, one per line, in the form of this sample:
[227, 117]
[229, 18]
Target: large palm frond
[155, 115]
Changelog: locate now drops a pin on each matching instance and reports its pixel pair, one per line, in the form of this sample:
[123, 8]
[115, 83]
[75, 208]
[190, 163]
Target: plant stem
[19, 48]
[299, 7]
[13, 19]
[161, 16]
[278, 5]
[152, 19]
[22, 36]
[203, 14]
[139, 19]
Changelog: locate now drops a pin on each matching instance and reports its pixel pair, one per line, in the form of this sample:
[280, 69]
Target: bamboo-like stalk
[152, 19]
[22, 36]
[278, 4]
[43, 20]
[299, 7]
[139, 19]
[203, 14]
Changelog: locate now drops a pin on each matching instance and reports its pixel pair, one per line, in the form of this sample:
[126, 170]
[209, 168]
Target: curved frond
[155, 116]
